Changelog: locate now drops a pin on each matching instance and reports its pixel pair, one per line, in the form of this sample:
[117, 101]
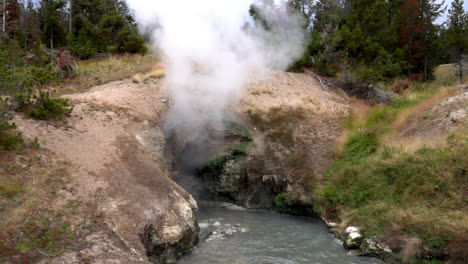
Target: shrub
[50, 108]
[131, 42]
[84, 51]
[302, 63]
[9, 140]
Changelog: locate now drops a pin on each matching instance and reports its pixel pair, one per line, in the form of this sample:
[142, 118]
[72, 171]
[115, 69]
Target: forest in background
[359, 43]
[372, 40]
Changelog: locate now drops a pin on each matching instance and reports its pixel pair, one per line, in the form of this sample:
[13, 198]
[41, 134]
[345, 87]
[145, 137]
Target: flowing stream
[233, 235]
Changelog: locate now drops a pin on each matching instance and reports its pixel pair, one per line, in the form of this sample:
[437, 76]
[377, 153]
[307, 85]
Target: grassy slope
[390, 191]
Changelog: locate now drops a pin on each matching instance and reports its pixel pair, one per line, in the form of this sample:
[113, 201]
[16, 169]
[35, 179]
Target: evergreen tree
[103, 26]
[369, 41]
[51, 21]
[457, 30]
[457, 34]
[327, 15]
[431, 10]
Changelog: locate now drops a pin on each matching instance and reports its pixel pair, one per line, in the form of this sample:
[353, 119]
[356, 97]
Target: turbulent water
[235, 235]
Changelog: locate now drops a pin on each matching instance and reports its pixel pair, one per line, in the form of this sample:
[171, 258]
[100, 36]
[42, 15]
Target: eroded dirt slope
[114, 149]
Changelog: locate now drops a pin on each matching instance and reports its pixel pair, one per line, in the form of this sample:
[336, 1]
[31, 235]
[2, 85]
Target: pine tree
[458, 33]
[52, 23]
[327, 15]
[431, 10]
[369, 41]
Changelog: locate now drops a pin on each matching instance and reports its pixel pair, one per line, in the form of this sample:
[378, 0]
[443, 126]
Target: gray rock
[352, 238]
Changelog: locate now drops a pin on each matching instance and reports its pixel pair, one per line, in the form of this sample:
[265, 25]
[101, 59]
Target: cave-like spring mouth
[213, 168]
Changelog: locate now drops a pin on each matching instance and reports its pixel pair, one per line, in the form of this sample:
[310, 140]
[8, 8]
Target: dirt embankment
[320, 111]
[114, 150]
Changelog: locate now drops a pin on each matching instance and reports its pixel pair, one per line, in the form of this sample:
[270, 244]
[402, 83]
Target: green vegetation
[363, 41]
[238, 129]
[9, 140]
[420, 192]
[87, 28]
[26, 87]
[216, 166]
[48, 235]
[286, 204]
[386, 189]
[51, 108]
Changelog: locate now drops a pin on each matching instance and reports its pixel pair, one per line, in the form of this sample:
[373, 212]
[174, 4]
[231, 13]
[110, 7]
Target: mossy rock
[286, 204]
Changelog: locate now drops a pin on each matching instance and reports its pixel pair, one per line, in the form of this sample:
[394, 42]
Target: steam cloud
[211, 49]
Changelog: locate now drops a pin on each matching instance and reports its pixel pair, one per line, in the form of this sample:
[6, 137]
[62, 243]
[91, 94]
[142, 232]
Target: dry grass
[424, 105]
[158, 71]
[104, 70]
[448, 73]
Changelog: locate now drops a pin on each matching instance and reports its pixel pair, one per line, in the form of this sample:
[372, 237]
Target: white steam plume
[210, 50]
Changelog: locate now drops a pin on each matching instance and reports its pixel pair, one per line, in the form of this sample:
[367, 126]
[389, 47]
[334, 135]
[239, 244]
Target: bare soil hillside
[114, 151]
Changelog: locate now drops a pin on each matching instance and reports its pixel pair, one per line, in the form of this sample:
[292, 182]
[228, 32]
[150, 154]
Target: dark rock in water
[286, 204]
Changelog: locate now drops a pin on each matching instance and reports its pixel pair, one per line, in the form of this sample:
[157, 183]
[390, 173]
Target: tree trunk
[52, 40]
[460, 70]
[425, 57]
[70, 18]
[460, 66]
[4, 19]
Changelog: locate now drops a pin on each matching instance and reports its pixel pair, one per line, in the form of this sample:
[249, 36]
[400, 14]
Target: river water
[233, 235]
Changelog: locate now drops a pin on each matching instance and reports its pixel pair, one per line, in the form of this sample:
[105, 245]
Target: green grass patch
[238, 129]
[46, 234]
[241, 148]
[412, 190]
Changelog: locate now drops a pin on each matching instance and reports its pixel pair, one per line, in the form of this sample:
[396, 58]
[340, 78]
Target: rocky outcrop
[239, 178]
[166, 242]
